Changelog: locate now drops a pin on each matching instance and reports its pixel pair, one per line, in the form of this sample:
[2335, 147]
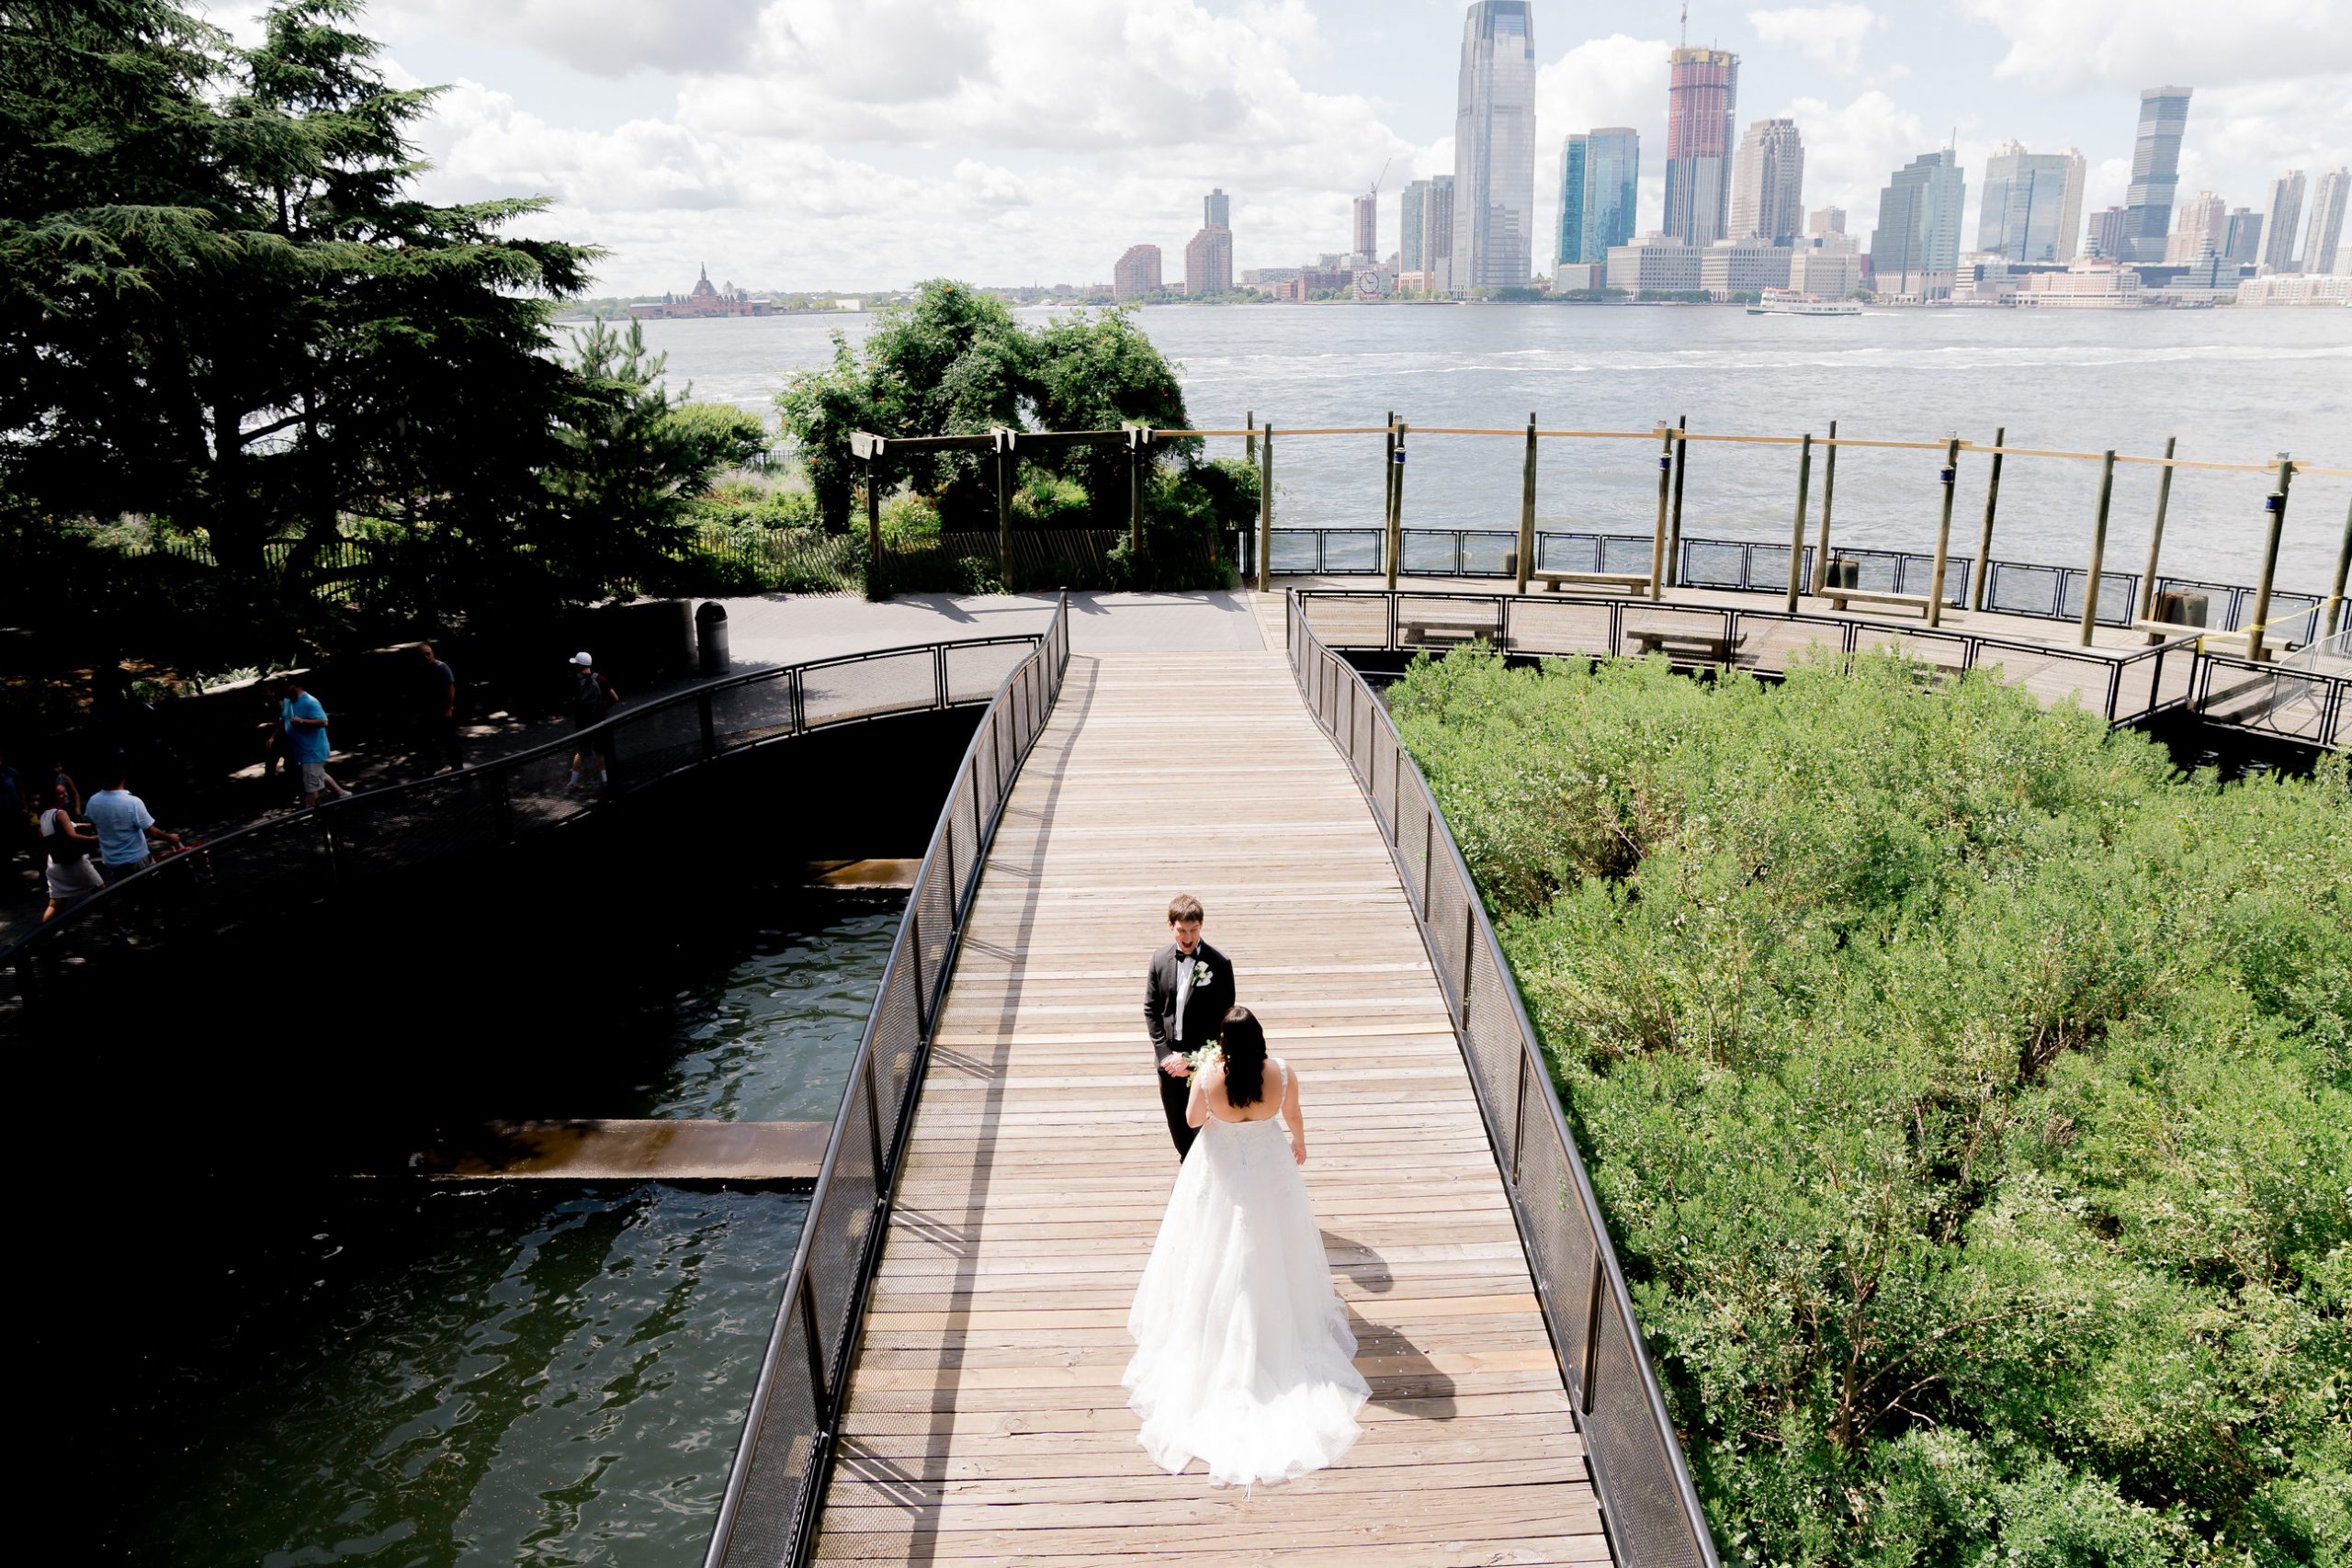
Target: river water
[401, 1373]
[2237, 385]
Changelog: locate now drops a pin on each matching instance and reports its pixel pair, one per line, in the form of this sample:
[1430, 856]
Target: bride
[1243, 1354]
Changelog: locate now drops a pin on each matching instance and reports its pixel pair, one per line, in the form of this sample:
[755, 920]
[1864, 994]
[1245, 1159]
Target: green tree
[223, 306]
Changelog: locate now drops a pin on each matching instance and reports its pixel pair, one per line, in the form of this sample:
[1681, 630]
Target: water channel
[403, 1372]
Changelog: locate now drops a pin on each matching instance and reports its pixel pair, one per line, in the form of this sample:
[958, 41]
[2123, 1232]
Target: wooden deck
[985, 1422]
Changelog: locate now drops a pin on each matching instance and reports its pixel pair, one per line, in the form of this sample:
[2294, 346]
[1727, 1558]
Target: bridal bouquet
[1198, 1061]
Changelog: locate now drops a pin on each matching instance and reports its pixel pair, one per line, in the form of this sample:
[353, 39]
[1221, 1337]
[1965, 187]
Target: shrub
[1970, 1097]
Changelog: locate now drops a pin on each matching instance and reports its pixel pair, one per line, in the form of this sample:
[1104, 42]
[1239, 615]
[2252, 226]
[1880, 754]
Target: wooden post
[1796, 532]
[2342, 561]
[2276, 504]
[1950, 477]
[1978, 589]
[1266, 512]
[2098, 546]
[1674, 526]
[874, 514]
[1136, 440]
[1527, 508]
[2147, 609]
[1388, 530]
[1249, 442]
[1828, 494]
[1657, 535]
[1004, 509]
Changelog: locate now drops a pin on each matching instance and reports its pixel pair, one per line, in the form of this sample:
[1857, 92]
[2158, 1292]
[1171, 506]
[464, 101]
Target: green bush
[1970, 1097]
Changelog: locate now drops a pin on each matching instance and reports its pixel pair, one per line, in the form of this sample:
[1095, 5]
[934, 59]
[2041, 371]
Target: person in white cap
[594, 698]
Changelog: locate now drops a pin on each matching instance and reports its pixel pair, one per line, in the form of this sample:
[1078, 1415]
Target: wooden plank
[985, 1422]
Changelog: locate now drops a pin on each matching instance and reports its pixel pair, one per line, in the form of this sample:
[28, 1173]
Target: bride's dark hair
[1243, 1046]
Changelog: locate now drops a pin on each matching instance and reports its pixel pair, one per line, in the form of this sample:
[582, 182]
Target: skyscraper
[2245, 241]
[1208, 261]
[1138, 271]
[1216, 209]
[1612, 169]
[1408, 225]
[1437, 232]
[2286, 216]
[1368, 227]
[1702, 92]
[2104, 236]
[1767, 183]
[1914, 249]
[2156, 170]
[2325, 235]
[2032, 208]
[1494, 148]
[1826, 220]
[2199, 222]
[1568, 249]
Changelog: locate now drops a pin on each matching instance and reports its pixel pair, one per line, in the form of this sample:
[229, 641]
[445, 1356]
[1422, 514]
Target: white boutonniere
[1202, 973]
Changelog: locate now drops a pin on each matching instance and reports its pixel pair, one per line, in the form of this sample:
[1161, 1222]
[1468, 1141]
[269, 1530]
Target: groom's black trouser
[1174, 1095]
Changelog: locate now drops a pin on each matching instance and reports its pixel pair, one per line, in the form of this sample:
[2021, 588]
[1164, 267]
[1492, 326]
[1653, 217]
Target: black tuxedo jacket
[1204, 1009]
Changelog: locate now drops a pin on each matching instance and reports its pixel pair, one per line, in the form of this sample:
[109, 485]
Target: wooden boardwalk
[985, 1422]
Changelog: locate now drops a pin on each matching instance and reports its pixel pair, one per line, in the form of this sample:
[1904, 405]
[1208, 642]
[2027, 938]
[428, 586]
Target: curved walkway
[985, 1422]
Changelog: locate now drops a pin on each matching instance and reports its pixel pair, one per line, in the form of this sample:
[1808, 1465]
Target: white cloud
[1851, 151]
[2142, 43]
[1615, 80]
[1829, 35]
[603, 38]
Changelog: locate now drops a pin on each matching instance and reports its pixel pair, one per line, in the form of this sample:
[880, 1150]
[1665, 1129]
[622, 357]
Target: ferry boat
[1789, 302]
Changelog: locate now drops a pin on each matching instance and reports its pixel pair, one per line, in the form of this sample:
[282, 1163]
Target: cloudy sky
[854, 144]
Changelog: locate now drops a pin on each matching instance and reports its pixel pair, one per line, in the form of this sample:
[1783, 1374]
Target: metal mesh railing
[2301, 696]
[768, 1514]
[287, 863]
[1752, 566]
[2124, 687]
[1638, 1469]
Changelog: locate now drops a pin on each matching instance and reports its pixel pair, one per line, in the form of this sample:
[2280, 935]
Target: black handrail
[768, 1514]
[1647, 1498]
[321, 835]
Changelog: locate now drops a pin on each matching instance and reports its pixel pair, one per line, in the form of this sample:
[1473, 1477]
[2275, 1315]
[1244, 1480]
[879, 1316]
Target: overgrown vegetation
[954, 361]
[1970, 1097]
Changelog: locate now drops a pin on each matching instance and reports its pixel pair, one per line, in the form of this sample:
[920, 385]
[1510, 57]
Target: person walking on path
[69, 873]
[125, 827]
[593, 697]
[438, 744]
[305, 718]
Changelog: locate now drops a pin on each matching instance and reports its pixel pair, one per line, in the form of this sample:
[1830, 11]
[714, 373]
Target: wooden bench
[1709, 647]
[1553, 581]
[1436, 631]
[1841, 597]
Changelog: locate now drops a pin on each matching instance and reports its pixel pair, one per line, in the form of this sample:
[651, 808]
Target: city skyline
[1038, 145]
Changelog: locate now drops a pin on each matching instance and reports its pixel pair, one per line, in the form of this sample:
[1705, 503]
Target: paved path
[985, 1422]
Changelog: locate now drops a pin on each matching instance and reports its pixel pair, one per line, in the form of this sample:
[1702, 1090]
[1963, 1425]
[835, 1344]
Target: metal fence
[307, 856]
[2124, 687]
[769, 1513]
[2301, 697]
[2015, 588]
[1652, 1509]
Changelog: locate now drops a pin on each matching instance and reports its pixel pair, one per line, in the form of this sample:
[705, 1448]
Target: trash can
[2178, 607]
[1844, 571]
[710, 637]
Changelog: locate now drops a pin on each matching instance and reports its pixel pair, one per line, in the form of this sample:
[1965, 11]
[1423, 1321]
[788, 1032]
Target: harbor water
[2233, 385]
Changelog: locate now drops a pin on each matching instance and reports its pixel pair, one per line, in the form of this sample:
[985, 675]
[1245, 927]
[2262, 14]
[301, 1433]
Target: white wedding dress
[1243, 1354]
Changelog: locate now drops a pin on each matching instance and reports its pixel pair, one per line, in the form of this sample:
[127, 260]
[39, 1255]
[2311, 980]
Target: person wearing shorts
[593, 697]
[305, 719]
[125, 827]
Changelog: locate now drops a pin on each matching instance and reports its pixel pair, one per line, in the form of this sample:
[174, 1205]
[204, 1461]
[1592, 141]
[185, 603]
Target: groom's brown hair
[1184, 906]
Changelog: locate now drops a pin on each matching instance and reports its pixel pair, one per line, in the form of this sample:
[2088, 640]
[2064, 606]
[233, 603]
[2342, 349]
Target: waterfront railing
[279, 865]
[768, 1514]
[1651, 1508]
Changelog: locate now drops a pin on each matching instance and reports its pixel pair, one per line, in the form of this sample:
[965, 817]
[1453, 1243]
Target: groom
[1185, 997]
